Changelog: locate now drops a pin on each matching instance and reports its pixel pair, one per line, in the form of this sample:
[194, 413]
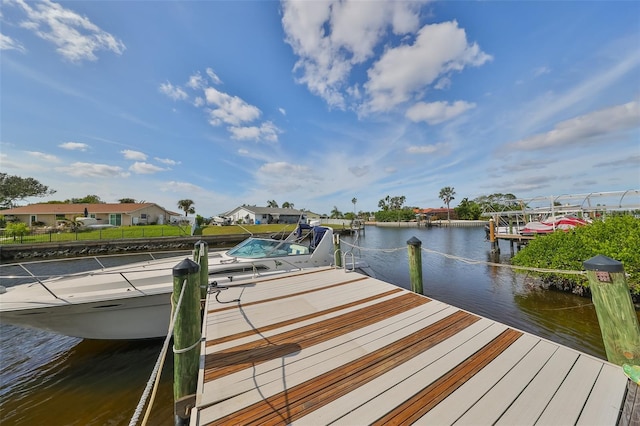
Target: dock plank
[325, 346]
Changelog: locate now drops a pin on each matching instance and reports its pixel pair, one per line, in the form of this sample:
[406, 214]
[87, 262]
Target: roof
[269, 210]
[50, 208]
[431, 210]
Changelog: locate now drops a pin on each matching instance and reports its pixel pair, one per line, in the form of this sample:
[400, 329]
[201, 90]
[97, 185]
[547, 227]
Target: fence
[128, 232]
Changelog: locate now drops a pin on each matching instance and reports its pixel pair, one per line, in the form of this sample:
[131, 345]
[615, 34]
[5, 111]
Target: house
[118, 214]
[258, 215]
[435, 213]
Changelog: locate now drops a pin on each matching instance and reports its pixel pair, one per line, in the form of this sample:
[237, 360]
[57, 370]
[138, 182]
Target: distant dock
[327, 346]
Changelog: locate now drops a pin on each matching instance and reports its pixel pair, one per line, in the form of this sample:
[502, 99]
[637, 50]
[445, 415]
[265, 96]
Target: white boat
[134, 301]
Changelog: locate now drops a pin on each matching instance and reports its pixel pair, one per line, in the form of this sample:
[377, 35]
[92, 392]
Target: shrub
[617, 237]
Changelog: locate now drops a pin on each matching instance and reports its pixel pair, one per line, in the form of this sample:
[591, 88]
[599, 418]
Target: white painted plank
[534, 398]
[323, 357]
[606, 398]
[525, 350]
[429, 366]
[567, 403]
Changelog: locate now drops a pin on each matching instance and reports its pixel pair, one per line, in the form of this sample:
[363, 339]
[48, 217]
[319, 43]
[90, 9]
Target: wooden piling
[615, 310]
[415, 264]
[337, 251]
[187, 333]
[495, 247]
[201, 257]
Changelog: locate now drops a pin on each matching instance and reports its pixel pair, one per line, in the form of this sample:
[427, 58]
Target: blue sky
[317, 102]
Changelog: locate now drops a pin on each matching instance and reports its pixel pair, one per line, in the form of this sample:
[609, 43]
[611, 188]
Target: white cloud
[167, 161]
[74, 146]
[437, 112]
[181, 187]
[359, 171]
[428, 149]
[213, 76]
[330, 37]
[584, 129]
[405, 71]
[173, 92]
[196, 81]
[282, 169]
[76, 37]
[133, 155]
[7, 43]
[267, 131]
[43, 156]
[282, 111]
[142, 168]
[230, 109]
[92, 170]
[541, 71]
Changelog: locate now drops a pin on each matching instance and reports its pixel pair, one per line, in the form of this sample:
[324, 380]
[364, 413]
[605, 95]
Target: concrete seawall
[423, 224]
[20, 252]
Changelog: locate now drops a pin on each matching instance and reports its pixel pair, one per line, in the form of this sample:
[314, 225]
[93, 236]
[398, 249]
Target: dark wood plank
[274, 326]
[309, 396]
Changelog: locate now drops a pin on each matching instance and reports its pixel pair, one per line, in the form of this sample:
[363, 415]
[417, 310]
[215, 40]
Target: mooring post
[414, 247]
[495, 247]
[337, 250]
[615, 310]
[201, 257]
[186, 338]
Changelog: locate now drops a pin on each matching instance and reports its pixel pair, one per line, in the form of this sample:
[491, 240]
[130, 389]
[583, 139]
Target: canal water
[57, 380]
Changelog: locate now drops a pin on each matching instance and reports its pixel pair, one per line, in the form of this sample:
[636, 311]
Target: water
[58, 380]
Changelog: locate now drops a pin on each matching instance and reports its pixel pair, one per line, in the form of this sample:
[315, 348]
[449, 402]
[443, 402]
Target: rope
[472, 261]
[154, 374]
[184, 350]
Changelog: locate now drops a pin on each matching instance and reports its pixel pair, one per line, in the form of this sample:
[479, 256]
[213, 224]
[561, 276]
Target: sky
[316, 103]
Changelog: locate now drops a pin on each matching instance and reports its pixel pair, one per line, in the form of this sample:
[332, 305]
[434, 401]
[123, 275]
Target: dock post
[187, 333]
[495, 247]
[337, 251]
[615, 310]
[201, 257]
[414, 246]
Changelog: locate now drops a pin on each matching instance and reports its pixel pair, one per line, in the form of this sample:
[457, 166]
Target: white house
[261, 215]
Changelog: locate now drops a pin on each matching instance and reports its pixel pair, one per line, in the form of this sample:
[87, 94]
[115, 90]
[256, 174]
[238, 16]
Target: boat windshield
[256, 248]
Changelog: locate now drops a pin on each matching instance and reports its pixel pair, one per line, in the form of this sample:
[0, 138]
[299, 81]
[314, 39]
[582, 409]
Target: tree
[126, 201]
[88, 199]
[335, 213]
[468, 210]
[272, 204]
[14, 188]
[446, 195]
[287, 205]
[498, 202]
[187, 206]
[392, 203]
[354, 200]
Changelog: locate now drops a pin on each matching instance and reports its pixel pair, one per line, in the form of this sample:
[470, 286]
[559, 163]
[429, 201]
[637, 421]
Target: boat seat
[298, 249]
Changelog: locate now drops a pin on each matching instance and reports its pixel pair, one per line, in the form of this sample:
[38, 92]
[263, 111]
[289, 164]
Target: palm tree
[354, 200]
[335, 213]
[187, 206]
[272, 204]
[287, 205]
[446, 195]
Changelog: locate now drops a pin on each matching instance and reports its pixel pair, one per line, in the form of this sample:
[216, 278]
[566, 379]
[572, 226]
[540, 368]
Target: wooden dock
[327, 346]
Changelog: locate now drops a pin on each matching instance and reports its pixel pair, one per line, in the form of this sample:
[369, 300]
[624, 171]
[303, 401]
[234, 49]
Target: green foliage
[13, 188]
[618, 237]
[200, 220]
[498, 202]
[186, 206]
[87, 199]
[402, 215]
[17, 229]
[392, 203]
[468, 210]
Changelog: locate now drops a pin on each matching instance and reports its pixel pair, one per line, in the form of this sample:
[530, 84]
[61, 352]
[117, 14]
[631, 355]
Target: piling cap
[186, 267]
[603, 263]
[413, 241]
[197, 243]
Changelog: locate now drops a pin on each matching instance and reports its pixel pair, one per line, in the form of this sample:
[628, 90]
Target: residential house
[261, 215]
[120, 214]
[435, 213]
